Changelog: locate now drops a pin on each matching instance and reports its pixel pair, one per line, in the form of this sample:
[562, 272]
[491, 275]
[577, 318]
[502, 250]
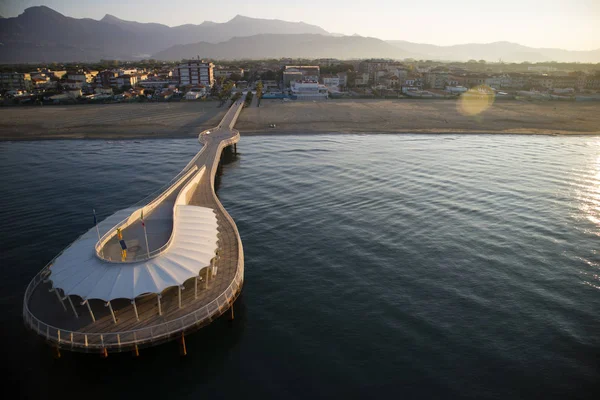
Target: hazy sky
[568, 24]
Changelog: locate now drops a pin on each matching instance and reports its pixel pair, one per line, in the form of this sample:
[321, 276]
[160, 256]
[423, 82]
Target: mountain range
[41, 34]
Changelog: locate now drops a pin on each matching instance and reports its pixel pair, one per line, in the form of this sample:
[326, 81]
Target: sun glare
[476, 100]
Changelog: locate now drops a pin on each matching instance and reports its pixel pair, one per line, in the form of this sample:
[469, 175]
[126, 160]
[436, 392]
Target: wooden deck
[202, 300]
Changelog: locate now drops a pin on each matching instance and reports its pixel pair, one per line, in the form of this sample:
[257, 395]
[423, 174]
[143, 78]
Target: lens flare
[476, 100]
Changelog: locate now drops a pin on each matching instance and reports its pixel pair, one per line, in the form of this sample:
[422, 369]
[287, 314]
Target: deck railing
[126, 339]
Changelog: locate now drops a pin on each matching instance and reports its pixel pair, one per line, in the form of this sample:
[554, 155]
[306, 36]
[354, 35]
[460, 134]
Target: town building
[15, 81]
[436, 80]
[542, 68]
[196, 73]
[593, 83]
[83, 76]
[126, 80]
[227, 72]
[48, 72]
[293, 73]
[330, 80]
[269, 85]
[372, 68]
[105, 78]
[71, 84]
[542, 82]
[362, 79]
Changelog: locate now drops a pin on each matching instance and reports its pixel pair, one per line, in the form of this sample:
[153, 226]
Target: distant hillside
[506, 51]
[277, 46]
[163, 36]
[41, 34]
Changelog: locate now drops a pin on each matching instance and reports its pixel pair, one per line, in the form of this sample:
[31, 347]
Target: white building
[195, 93]
[331, 80]
[456, 89]
[308, 90]
[196, 73]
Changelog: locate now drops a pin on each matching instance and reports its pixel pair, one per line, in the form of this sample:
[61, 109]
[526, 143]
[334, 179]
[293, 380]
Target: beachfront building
[195, 93]
[308, 90]
[195, 72]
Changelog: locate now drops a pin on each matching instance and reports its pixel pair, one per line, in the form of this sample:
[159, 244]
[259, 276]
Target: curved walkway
[202, 300]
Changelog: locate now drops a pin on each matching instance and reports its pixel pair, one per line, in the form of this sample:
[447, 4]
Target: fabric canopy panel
[78, 271]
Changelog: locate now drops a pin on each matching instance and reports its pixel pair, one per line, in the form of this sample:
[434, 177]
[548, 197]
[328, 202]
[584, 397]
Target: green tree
[259, 89]
[235, 77]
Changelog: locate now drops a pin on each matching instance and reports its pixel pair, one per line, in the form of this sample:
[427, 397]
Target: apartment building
[15, 81]
[196, 73]
[227, 72]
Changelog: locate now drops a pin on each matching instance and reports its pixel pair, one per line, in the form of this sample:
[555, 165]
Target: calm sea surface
[406, 266]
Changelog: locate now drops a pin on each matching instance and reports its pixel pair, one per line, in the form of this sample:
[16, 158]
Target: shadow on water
[157, 371]
[228, 157]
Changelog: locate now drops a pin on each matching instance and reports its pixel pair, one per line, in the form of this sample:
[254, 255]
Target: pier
[149, 273]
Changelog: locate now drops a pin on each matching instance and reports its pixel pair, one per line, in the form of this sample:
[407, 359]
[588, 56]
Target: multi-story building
[293, 73]
[71, 84]
[542, 81]
[105, 78]
[49, 73]
[126, 80]
[592, 82]
[362, 79]
[83, 76]
[15, 81]
[436, 80]
[566, 82]
[373, 66]
[475, 80]
[517, 81]
[226, 73]
[196, 73]
[330, 80]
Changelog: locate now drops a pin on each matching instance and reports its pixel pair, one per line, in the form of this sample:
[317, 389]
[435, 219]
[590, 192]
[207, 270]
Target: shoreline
[364, 116]
[127, 137]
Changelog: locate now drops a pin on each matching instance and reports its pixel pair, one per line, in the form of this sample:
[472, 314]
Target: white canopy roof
[78, 271]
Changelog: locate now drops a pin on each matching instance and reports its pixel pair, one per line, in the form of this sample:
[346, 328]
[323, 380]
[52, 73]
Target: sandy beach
[109, 121]
[187, 119]
[426, 116]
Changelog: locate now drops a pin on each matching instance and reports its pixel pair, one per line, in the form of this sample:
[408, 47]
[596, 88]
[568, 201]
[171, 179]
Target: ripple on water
[424, 266]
